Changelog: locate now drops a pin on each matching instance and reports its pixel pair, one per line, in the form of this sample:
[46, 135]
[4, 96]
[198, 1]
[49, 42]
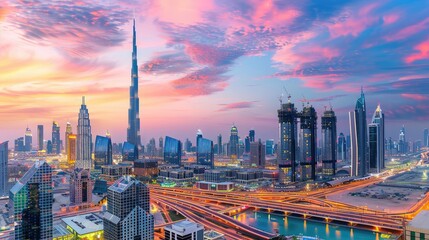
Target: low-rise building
[87, 226]
[418, 228]
[215, 186]
[146, 168]
[184, 230]
[111, 173]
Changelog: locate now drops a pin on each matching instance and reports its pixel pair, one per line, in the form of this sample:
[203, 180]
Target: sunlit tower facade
[288, 130]
[308, 147]
[358, 139]
[56, 141]
[133, 130]
[69, 131]
[84, 139]
[376, 141]
[329, 142]
[71, 150]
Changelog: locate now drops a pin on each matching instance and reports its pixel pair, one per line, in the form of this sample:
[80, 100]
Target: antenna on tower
[288, 95]
[281, 99]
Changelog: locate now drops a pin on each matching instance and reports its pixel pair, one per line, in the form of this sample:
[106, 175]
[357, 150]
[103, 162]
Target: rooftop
[184, 227]
[84, 224]
[420, 220]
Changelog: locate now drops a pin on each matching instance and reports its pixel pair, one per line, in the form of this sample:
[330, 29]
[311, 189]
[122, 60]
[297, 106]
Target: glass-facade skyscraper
[4, 173]
[30, 202]
[329, 142]
[308, 131]
[376, 141]
[56, 141]
[69, 131]
[84, 139]
[288, 130]
[219, 145]
[172, 151]
[358, 138]
[129, 152]
[426, 137]
[128, 211]
[233, 142]
[205, 152]
[342, 147]
[102, 152]
[133, 130]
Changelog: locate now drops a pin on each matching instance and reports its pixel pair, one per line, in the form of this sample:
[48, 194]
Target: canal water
[296, 226]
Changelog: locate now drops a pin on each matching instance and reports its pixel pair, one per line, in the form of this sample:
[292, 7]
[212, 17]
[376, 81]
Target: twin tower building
[299, 153]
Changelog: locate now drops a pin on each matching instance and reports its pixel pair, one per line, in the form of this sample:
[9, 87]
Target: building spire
[83, 100]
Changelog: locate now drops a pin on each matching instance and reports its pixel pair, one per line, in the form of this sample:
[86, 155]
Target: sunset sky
[208, 64]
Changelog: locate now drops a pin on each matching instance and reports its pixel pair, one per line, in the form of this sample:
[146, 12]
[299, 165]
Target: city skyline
[210, 83]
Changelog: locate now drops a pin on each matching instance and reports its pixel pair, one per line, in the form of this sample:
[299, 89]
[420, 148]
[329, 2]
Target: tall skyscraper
[269, 146]
[288, 142]
[4, 173]
[161, 147]
[49, 148]
[358, 138]
[308, 131]
[426, 137]
[188, 145]
[219, 145]
[56, 141]
[173, 151]
[252, 135]
[102, 152]
[19, 144]
[71, 150]
[40, 137]
[80, 187]
[84, 139]
[257, 154]
[133, 130]
[199, 135]
[247, 144]
[28, 143]
[69, 131]
[329, 142]
[233, 142]
[376, 141]
[30, 202]
[128, 215]
[205, 152]
[402, 143]
[130, 152]
[342, 147]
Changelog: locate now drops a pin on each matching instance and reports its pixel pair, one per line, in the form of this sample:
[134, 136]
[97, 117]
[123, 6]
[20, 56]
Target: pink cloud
[409, 31]
[235, 105]
[423, 53]
[296, 56]
[417, 97]
[390, 18]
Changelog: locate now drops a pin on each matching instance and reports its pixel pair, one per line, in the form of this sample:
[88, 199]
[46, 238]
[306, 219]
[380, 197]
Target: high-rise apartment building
[257, 154]
[4, 173]
[376, 141]
[329, 142]
[252, 135]
[30, 202]
[358, 138]
[219, 145]
[40, 137]
[19, 144]
[84, 139]
[133, 130]
[56, 140]
[308, 147]
[342, 147]
[128, 211]
[426, 137]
